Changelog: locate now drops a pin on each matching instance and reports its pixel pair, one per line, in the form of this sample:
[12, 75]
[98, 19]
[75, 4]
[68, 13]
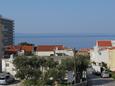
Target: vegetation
[82, 63]
[113, 75]
[27, 68]
[26, 43]
[104, 67]
[38, 71]
[94, 63]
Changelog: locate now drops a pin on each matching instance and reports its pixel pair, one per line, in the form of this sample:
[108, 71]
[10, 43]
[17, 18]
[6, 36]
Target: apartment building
[6, 35]
[1, 38]
[7, 31]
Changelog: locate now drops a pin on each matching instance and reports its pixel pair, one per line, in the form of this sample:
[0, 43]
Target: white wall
[48, 53]
[7, 66]
[113, 43]
[99, 56]
[44, 53]
[69, 52]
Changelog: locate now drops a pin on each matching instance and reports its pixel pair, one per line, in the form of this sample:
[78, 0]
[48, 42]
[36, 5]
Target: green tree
[51, 63]
[82, 63]
[27, 68]
[55, 71]
[68, 64]
[26, 43]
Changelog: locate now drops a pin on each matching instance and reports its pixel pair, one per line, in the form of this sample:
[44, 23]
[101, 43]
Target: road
[16, 83]
[97, 81]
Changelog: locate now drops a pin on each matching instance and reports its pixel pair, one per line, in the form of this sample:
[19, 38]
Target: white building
[53, 50]
[7, 65]
[100, 53]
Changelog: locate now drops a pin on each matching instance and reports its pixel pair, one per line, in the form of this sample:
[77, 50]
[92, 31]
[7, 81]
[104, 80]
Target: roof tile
[104, 43]
[49, 47]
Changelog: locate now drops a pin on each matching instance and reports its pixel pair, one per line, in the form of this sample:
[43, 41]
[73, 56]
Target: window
[7, 65]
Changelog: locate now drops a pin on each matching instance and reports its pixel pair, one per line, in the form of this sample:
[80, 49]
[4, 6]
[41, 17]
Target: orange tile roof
[104, 43]
[49, 47]
[26, 48]
[11, 49]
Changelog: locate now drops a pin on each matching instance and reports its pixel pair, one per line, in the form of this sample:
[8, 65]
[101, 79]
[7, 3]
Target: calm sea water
[72, 41]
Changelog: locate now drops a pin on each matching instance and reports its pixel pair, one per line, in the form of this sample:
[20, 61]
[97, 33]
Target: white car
[105, 74]
[6, 78]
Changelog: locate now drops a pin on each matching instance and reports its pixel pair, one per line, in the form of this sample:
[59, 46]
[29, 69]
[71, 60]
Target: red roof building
[13, 49]
[26, 48]
[104, 43]
[10, 49]
[49, 47]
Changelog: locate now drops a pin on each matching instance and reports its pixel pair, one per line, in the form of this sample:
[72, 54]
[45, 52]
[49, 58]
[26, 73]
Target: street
[97, 81]
[16, 83]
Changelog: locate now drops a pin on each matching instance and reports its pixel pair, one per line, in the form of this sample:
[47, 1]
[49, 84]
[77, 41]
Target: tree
[26, 43]
[54, 71]
[82, 63]
[68, 64]
[38, 70]
[104, 65]
[27, 68]
[55, 74]
[51, 63]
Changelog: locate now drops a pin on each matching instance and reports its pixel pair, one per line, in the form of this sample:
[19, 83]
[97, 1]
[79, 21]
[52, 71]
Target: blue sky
[60, 16]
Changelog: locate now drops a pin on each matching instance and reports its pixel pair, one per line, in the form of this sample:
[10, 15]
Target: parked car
[105, 74]
[6, 78]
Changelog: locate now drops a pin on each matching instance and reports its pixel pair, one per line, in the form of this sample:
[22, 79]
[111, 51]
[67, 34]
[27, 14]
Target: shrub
[113, 75]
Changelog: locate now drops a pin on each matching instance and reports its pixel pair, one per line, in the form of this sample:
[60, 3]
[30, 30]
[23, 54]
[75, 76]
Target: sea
[68, 40]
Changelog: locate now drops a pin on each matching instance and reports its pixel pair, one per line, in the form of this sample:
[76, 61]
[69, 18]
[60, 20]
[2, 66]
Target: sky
[60, 16]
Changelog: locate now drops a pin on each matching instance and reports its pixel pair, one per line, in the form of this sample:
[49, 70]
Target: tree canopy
[26, 43]
[34, 69]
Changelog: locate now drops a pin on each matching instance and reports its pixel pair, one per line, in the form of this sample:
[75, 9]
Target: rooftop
[49, 47]
[104, 43]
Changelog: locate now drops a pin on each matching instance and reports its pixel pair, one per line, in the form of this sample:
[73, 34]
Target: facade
[104, 51]
[6, 34]
[53, 50]
[84, 51]
[7, 31]
[1, 44]
[7, 66]
[98, 56]
[112, 59]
